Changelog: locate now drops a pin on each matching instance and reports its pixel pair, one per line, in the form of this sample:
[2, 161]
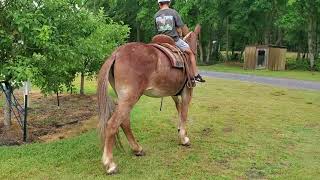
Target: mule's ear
[197, 30]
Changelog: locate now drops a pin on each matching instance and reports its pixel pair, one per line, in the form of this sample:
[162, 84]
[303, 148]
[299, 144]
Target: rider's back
[167, 21]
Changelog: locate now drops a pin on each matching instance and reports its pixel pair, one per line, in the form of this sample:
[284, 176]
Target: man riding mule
[133, 70]
[169, 22]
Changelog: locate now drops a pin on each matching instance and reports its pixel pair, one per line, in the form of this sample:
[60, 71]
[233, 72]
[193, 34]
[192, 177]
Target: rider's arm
[179, 30]
[179, 23]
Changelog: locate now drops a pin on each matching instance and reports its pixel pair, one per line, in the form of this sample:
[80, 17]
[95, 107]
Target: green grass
[300, 75]
[238, 131]
[90, 85]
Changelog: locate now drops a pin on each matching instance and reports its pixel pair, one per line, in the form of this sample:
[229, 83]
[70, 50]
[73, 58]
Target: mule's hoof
[186, 142]
[139, 153]
[113, 169]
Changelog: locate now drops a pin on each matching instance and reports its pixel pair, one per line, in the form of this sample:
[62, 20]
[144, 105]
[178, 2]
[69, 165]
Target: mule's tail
[106, 104]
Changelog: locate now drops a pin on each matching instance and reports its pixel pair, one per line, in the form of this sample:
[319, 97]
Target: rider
[169, 22]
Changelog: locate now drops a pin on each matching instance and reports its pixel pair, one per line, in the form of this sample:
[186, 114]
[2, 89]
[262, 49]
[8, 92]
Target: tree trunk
[266, 37]
[241, 54]
[267, 33]
[298, 55]
[227, 43]
[208, 50]
[280, 38]
[201, 51]
[8, 106]
[82, 84]
[312, 27]
[138, 32]
[58, 99]
[317, 40]
[300, 51]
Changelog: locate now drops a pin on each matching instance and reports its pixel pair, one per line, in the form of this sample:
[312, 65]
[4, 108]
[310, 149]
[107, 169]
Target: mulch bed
[45, 117]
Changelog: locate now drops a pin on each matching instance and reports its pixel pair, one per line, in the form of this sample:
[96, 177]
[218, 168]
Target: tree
[101, 42]
[310, 11]
[46, 42]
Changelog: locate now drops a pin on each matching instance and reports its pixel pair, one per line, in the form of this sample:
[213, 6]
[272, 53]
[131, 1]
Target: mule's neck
[192, 40]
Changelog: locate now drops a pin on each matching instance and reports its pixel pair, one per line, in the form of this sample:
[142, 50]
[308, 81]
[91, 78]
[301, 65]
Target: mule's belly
[158, 93]
[167, 81]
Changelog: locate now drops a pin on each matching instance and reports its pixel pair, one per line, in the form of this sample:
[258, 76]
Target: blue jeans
[182, 45]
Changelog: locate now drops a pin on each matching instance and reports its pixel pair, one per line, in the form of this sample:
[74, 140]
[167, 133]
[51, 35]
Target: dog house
[265, 57]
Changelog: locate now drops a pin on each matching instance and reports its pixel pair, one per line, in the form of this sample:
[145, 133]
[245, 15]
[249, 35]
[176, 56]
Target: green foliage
[93, 49]
[317, 65]
[49, 42]
[300, 64]
[232, 24]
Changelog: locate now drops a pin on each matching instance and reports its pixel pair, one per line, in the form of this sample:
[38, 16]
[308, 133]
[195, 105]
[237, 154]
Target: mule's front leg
[186, 99]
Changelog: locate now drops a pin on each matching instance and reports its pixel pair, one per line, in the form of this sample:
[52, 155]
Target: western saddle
[167, 45]
[177, 58]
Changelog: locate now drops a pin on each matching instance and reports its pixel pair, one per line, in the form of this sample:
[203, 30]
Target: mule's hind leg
[121, 113]
[136, 148]
[186, 97]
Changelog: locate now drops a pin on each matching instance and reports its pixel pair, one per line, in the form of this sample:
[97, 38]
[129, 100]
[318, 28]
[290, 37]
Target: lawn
[237, 130]
[291, 74]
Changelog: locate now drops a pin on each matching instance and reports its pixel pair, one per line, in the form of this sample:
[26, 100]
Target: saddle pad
[174, 54]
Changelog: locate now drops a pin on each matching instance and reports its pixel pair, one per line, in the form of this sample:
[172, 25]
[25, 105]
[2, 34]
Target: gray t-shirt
[167, 21]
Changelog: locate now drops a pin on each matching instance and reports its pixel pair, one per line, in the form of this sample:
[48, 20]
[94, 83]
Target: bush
[301, 64]
[317, 65]
[235, 57]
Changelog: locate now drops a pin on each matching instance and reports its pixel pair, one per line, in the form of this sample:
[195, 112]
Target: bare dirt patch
[47, 121]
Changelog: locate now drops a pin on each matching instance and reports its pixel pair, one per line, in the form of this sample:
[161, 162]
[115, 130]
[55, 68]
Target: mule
[133, 70]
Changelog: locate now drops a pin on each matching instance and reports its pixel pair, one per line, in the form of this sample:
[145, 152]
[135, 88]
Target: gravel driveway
[282, 82]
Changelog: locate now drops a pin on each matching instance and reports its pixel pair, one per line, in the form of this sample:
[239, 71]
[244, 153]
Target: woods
[231, 25]
[50, 42]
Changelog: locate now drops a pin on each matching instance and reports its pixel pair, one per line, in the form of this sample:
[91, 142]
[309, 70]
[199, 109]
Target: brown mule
[133, 70]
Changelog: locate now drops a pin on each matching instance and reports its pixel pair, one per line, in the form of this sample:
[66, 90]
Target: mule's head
[192, 39]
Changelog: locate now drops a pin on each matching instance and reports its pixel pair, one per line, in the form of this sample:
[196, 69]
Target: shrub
[317, 65]
[301, 64]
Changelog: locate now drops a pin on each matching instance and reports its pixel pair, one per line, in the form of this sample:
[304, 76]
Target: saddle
[167, 45]
[177, 58]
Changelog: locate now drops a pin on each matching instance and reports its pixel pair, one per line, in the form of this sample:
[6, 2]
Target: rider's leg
[193, 62]
[186, 48]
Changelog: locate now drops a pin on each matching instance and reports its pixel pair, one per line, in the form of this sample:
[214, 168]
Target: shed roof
[265, 46]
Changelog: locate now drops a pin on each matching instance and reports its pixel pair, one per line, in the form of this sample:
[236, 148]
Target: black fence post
[25, 118]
